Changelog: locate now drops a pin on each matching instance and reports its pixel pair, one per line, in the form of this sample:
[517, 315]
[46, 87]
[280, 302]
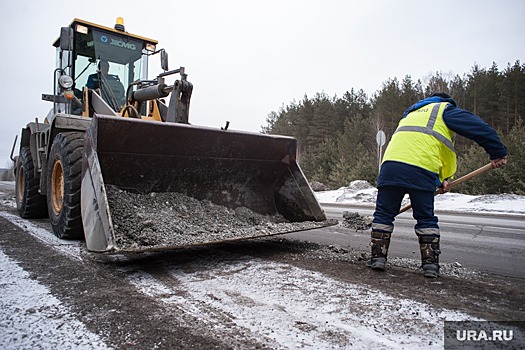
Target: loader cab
[84, 46]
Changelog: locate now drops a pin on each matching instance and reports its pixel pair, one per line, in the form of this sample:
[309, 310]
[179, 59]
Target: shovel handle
[456, 182]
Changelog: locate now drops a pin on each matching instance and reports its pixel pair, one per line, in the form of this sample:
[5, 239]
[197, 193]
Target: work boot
[429, 246]
[431, 270]
[379, 243]
[376, 263]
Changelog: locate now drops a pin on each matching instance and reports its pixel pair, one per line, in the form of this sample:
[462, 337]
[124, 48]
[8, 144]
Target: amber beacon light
[120, 24]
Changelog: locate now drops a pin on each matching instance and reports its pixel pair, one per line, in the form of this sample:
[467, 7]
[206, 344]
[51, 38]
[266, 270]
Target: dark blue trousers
[389, 200]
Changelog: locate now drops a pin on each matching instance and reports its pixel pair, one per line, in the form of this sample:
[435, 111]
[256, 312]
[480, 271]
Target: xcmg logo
[123, 44]
[118, 43]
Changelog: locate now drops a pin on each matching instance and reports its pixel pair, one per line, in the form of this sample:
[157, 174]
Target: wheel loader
[111, 125]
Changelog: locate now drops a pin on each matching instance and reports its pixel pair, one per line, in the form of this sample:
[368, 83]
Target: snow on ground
[32, 318]
[362, 193]
[293, 308]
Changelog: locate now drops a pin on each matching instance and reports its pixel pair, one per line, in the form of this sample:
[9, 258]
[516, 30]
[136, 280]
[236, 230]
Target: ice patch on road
[296, 308]
[32, 318]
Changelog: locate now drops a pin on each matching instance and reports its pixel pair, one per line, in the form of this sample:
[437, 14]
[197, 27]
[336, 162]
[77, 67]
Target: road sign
[380, 137]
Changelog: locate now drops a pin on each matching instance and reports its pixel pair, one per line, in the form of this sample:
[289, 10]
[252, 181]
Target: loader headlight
[65, 81]
[82, 29]
[150, 47]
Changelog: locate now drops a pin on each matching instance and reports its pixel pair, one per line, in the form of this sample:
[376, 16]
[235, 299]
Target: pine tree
[337, 135]
[513, 94]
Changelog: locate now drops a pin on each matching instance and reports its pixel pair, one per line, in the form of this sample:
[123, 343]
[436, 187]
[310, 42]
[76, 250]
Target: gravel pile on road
[169, 219]
[446, 269]
[344, 254]
[356, 221]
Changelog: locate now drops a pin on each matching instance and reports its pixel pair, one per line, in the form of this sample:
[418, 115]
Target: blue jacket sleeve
[91, 81]
[471, 126]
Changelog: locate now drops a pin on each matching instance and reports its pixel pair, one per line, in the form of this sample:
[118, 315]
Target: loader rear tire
[29, 202]
[64, 176]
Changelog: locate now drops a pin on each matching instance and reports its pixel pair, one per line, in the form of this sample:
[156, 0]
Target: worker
[93, 79]
[113, 81]
[420, 157]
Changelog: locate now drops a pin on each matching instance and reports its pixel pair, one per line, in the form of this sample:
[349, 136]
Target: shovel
[454, 183]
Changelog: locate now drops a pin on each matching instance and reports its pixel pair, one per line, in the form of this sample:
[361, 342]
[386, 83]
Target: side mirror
[66, 38]
[164, 60]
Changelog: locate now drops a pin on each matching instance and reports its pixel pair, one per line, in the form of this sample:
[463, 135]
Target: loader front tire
[29, 202]
[64, 175]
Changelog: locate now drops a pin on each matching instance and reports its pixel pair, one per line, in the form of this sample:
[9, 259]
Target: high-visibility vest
[423, 139]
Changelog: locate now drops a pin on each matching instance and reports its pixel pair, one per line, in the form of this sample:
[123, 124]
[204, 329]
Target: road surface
[491, 243]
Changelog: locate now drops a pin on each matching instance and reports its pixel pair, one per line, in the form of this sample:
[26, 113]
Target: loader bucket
[230, 169]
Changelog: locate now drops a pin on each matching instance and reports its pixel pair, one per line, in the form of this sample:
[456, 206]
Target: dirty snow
[293, 308]
[32, 318]
[70, 248]
[362, 193]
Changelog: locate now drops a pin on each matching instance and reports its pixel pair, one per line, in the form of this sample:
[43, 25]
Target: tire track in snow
[69, 248]
[32, 318]
[289, 307]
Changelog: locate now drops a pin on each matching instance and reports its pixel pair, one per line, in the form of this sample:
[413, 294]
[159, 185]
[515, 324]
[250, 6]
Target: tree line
[337, 135]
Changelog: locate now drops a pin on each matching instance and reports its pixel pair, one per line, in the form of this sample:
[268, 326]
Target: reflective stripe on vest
[423, 139]
[429, 129]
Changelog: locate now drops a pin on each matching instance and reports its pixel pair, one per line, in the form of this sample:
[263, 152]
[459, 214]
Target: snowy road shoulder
[70, 248]
[294, 308]
[362, 193]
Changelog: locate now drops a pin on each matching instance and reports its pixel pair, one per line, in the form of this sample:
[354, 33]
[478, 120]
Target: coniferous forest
[337, 135]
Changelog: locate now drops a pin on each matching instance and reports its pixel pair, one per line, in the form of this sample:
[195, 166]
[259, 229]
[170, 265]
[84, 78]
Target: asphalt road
[491, 243]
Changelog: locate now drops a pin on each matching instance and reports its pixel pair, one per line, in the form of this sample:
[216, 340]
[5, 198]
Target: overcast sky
[248, 58]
